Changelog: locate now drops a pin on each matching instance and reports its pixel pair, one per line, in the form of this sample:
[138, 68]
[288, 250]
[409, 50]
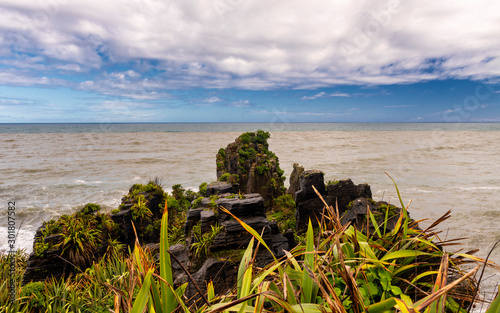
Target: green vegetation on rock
[283, 212]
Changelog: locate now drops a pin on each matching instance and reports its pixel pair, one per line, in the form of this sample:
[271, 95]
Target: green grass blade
[156, 297]
[382, 306]
[307, 282]
[403, 207]
[169, 301]
[263, 275]
[494, 306]
[307, 307]
[374, 222]
[402, 254]
[210, 291]
[245, 261]
[143, 296]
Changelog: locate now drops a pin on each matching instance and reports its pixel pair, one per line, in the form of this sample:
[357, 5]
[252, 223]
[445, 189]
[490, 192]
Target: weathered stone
[180, 254]
[208, 219]
[123, 219]
[50, 265]
[294, 179]
[256, 167]
[221, 187]
[53, 239]
[364, 191]
[309, 205]
[153, 247]
[309, 209]
[222, 274]
[290, 235]
[279, 243]
[234, 236]
[356, 215]
[192, 217]
[251, 205]
[344, 192]
[307, 180]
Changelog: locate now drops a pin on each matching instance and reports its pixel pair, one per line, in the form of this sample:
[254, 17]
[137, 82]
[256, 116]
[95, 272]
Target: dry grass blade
[420, 305]
[336, 305]
[349, 280]
[482, 273]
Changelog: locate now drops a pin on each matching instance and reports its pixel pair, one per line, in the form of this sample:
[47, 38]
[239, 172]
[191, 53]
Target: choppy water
[50, 170]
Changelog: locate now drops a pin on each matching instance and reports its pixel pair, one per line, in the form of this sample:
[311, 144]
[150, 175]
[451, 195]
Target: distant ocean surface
[54, 169]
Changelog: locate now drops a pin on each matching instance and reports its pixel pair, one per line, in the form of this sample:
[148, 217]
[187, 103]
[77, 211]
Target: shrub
[203, 189]
[90, 208]
[196, 203]
[178, 191]
[80, 239]
[283, 212]
[140, 209]
[34, 291]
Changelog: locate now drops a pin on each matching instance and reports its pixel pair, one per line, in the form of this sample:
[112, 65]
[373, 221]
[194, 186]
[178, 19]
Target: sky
[70, 61]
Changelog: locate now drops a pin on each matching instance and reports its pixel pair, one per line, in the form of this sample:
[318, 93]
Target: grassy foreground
[336, 269]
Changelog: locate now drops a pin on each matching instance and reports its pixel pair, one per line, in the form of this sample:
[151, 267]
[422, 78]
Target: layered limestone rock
[256, 168]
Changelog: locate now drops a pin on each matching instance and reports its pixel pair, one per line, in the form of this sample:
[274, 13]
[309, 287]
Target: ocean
[54, 169]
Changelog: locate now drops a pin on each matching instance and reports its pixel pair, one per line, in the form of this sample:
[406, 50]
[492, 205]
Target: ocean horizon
[92, 127]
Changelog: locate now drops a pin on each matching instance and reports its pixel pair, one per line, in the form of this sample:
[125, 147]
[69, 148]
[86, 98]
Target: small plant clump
[202, 242]
[230, 178]
[90, 208]
[35, 292]
[331, 182]
[283, 212]
[203, 189]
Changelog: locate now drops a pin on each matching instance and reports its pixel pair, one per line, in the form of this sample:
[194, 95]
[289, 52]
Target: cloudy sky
[249, 61]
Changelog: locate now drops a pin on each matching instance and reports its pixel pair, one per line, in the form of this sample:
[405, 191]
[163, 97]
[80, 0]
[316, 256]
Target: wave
[481, 188]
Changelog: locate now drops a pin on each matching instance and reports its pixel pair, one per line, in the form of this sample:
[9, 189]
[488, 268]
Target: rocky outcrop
[309, 205]
[221, 187]
[251, 205]
[341, 193]
[256, 167]
[294, 179]
[221, 273]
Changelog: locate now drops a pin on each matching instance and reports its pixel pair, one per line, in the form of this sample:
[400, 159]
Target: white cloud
[324, 95]
[127, 84]
[316, 96]
[212, 99]
[258, 44]
[400, 106]
[241, 104]
[339, 94]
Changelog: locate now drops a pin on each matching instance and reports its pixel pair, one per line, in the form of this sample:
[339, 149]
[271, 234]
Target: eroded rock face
[251, 205]
[256, 167]
[223, 275]
[345, 191]
[294, 179]
[309, 205]
[221, 187]
[357, 214]
[339, 194]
